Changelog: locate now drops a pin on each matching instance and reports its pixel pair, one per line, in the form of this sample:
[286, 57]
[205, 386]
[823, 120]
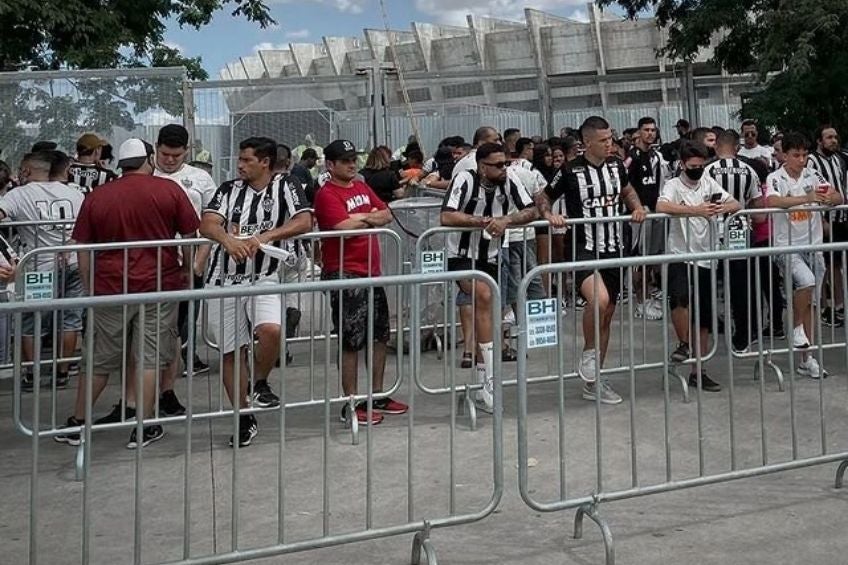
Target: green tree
[89, 34]
[799, 50]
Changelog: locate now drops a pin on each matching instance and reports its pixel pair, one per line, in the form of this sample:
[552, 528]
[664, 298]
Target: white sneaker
[649, 310]
[509, 318]
[799, 338]
[608, 395]
[588, 362]
[810, 368]
[485, 399]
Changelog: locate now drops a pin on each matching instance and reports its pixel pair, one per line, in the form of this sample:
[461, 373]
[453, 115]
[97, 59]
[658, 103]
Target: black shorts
[610, 277]
[182, 313]
[354, 315]
[681, 289]
[462, 264]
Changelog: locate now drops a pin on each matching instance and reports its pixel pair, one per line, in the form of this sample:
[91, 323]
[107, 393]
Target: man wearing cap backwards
[171, 153]
[346, 203]
[87, 172]
[135, 207]
[42, 199]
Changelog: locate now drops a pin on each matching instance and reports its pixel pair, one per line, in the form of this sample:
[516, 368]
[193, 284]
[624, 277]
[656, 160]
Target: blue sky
[226, 38]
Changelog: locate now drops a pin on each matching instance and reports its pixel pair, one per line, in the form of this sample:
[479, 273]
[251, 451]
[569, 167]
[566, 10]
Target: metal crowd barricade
[584, 478]
[418, 522]
[431, 255]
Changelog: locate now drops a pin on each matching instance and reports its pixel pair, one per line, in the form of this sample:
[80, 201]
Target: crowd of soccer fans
[679, 197]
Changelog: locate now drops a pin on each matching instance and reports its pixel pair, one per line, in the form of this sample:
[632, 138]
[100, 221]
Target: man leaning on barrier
[594, 185]
[253, 220]
[484, 199]
[797, 188]
[694, 198]
[136, 207]
[346, 203]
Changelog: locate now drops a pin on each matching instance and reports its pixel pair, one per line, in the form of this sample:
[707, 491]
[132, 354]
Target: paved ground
[789, 517]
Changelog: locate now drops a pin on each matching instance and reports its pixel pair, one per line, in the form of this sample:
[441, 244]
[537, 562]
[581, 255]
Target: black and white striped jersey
[89, 177]
[469, 195]
[647, 171]
[248, 212]
[736, 178]
[591, 191]
[832, 168]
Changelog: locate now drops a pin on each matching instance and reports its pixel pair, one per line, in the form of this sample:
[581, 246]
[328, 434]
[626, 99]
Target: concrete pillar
[595, 19]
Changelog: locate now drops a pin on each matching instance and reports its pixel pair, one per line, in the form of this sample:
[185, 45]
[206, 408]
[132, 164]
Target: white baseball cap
[133, 151]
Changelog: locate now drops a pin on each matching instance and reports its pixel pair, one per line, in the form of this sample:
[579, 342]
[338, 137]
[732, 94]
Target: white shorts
[253, 311]
[807, 270]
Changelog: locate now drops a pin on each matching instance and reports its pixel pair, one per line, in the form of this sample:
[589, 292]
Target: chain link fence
[62, 105]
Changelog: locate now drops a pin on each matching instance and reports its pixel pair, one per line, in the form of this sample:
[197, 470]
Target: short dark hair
[283, 151]
[728, 138]
[172, 135]
[263, 148]
[820, 131]
[44, 145]
[309, 153]
[415, 155]
[481, 131]
[488, 149]
[629, 131]
[794, 140]
[5, 174]
[453, 141]
[749, 123]
[41, 160]
[107, 153]
[698, 135]
[693, 149]
[510, 131]
[647, 120]
[593, 123]
[59, 162]
[521, 144]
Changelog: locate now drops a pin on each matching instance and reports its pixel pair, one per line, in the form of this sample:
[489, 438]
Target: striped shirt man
[468, 194]
[88, 177]
[833, 169]
[736, 178]
[248, 212]
[591, 191]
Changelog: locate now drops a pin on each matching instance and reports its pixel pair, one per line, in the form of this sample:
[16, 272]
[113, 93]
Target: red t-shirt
[333, 205]
[136, 208]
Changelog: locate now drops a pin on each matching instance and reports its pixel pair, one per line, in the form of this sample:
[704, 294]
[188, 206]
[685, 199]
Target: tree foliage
[799, 49]
[89, 34]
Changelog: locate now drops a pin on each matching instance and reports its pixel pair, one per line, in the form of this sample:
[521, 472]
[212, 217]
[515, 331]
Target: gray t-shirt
[43, 201]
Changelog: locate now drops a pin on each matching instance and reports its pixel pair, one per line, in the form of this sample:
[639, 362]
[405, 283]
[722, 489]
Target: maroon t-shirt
[136, 208]
[333, 205]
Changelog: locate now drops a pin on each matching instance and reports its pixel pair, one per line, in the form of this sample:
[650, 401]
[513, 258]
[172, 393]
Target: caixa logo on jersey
[601, 201]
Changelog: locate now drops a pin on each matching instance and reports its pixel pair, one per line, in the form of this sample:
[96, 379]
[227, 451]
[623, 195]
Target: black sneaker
[200, 368]
[151, 434]
[248, 429]
[73, 370]
[263, 396]
[831, 318]
[27, 381]
[62, 380]
[707, 384]
[682, 353]
[70, 438]
[170, 404]
[769, 333]
[115, 415]
[292, 321]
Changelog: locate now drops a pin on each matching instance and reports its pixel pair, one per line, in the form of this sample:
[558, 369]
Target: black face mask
[695, 173]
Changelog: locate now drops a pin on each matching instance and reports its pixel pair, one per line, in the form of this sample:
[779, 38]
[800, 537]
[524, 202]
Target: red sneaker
[362, 414]
[390, 406]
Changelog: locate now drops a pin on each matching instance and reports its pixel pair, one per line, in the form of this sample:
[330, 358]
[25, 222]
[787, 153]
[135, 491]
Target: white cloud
[268, 46]
[297, 34]
[449, 12]
[174, 45]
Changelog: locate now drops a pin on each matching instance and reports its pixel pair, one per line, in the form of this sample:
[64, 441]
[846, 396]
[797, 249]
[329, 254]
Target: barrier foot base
[840, 474]
[778, 374]
[466, 406]
[591, 511]
[352, 422]
[422, 542]
[79, 460]
[684, 382]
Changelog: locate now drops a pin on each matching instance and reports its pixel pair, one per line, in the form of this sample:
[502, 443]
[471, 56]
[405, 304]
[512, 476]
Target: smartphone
[715, 199]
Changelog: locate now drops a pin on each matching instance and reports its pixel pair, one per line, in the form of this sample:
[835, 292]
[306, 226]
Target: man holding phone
[694, 198]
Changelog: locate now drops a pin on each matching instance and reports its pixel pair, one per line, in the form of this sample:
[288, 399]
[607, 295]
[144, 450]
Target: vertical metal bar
[452, 294]
[139, 435]
[666, 392]
[634, 467]
[790, 315]
[192, 339]
[696, 275]
[728, 297]
[236, 401]
[596, 279]
[36, 425]
[86, 437]
[369, 352]
[563, 486]
[281, 453]
[325, 453]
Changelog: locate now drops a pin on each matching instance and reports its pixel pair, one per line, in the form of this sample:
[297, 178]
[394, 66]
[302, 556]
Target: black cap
[339, 150]
[682, 123]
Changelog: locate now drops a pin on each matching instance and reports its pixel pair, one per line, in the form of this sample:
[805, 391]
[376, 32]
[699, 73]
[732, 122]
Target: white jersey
[800, 226]
[197, 184]
[757, 152]
[43, 201]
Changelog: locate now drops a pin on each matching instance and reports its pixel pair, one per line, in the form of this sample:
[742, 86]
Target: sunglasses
[498, 165]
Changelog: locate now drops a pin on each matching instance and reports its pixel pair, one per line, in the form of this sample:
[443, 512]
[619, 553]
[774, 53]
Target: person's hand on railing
[706, 210]
[497, 227]
[7, 273]
[556, 220]
[241, 249]
[639, 215]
